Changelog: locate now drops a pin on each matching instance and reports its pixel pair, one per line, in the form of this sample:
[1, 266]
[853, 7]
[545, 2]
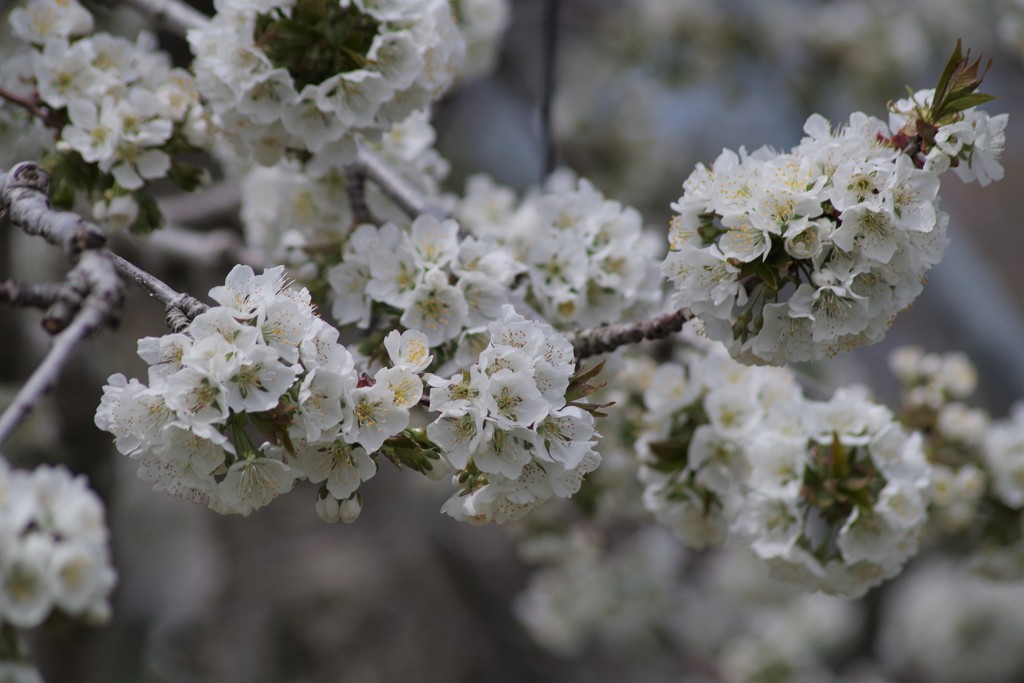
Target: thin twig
[91, 296]
[45, 376]
[173, 15]
[34, 106]
[41, 295]
[181, 308]
[209, 204]
[595, 340]
[408, 198]
[210, 249]
[355, 185]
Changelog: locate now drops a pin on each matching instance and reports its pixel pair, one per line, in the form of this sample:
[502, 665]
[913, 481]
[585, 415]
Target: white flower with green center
[436, 308]
[320, 398]
[912, 196]
[63, 72]
[94, 130]
[258, 381]
[484, 297]
[773, 524]
[513, 400]
[200, 454]
[404, 384]
[311, 120]
[436, 242]
[672, 391]
[221, 322]
[371, 416]
[734, 411]
[133, 413]
[284, 324]
[348, 281]
[408, 349]
[505, 453]
[777, 464]
[834, 309]
[251, 483]
[198, 399]
[458, 394]
[858, 182]
[26, 586]
[42, 20]
[246, 293]
[320, 349]
[81, 575]
[344, 467]
[395, 276]
[565, 437]
[459, 434]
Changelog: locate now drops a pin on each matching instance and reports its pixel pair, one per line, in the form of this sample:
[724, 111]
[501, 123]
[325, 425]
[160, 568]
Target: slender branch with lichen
[595, 340]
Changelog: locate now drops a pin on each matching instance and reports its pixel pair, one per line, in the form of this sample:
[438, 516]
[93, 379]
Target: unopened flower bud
[329, 508]
[350, 508]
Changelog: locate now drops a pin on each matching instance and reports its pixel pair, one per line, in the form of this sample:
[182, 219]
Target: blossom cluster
[830, 495]
[296, 213]
[482, 24]
[507, 427]
[795, 256]
[128, 110]
[945, 625]
[54, 547]
[616, 594]
[308, 77]
[433, 281]
[978, 461]
[588, 260]
[260, 363]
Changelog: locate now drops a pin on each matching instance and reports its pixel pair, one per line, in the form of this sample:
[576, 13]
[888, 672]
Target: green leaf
[584, 375]
[578, 390]
[955, 60]
[966, 101]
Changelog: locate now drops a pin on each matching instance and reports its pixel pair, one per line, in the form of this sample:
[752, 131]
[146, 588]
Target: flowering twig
[595, 340]
[173, 15]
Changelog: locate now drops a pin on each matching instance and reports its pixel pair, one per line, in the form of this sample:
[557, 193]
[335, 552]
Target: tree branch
[41, 295]
[595, 340]
[34, 106]
[355, 185]
[90, 297]
[45, 376]
[408, 198]
[92, 294]
[181, 308]
[173, 15]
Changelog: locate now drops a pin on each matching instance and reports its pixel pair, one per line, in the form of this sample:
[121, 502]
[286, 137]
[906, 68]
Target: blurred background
[643, 90]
